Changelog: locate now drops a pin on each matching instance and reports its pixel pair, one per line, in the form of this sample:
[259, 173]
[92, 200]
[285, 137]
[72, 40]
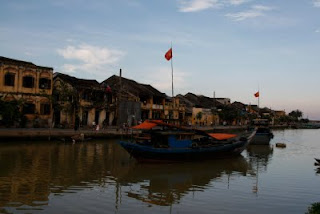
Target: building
[146, 102]
[29, 88]
[86, 100]
[200, 110]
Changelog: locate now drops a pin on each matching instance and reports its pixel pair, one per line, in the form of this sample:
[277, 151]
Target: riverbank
[108, 133]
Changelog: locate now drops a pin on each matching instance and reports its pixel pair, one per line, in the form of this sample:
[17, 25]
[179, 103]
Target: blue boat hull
[148, 152]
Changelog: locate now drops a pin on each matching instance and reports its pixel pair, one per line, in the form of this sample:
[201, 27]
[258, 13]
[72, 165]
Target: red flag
[108, 89]
[256, 94]
[168, 55]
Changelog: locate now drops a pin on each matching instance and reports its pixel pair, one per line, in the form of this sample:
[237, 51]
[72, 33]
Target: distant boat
[160, 141]
[308, 126]
[263, 134]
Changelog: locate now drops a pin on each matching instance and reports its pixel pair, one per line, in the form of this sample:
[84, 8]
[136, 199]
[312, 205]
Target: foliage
[229, 114]
[304, 120]
[65, 98]
[10, 112]
[314, 208]
[199, 116]
[296, 114]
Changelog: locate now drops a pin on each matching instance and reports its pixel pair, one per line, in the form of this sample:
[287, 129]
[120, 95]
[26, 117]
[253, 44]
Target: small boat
[308, 126]
[263, 134]
[160, 141]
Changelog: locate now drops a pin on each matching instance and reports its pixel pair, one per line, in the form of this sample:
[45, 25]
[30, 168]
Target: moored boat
[160, 141]
[263, 134]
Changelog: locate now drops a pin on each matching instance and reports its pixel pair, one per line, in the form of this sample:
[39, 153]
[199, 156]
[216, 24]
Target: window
[45, 109]
[44, 83]
[9, 79]
[29, 108]
[28, 81]
[86, 96]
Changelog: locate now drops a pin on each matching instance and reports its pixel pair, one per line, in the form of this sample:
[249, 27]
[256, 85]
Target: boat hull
[261, 139]
[147, 153]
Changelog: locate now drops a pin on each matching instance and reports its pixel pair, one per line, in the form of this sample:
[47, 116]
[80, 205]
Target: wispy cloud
[316, 3]
[317, 31]
[238, 2]
[255, 11]
[199, 5]
[89, 58]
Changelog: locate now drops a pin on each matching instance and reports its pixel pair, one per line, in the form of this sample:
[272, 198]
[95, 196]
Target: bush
[314, 208]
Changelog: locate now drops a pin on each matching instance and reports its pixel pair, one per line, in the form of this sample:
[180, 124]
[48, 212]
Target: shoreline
[111, 132]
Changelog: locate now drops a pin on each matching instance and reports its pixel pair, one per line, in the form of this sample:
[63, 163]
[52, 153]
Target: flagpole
[259, 96]
[172, 73]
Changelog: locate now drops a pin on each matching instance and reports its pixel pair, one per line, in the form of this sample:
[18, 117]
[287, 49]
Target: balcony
[151, 106]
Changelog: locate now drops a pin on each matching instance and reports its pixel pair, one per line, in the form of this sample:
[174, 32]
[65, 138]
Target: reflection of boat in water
[259, 158]
[263, 134]
[260, 154]
[164, 184]
[164, 141]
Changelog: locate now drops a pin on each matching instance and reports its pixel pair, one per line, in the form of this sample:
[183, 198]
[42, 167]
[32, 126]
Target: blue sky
[232, 47]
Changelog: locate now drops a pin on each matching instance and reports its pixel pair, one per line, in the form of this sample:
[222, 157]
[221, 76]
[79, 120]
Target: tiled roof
[8, 61]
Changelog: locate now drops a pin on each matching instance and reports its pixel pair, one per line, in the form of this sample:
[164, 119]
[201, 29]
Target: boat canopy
[222, 136]
[149, 124]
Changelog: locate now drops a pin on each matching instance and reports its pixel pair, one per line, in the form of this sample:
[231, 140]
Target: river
[100, 177]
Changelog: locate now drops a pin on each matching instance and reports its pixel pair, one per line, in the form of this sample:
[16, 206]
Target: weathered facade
[30, 86]
[152, 103]
[86, 100]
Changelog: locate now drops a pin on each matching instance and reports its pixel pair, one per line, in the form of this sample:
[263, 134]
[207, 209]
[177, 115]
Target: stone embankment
[58, 134]
[67, 134]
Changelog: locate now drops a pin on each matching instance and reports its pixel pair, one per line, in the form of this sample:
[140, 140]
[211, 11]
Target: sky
[231, 47]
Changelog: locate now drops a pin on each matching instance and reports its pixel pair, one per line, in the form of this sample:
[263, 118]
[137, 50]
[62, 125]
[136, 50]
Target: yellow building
[203, 116]
[31, 86]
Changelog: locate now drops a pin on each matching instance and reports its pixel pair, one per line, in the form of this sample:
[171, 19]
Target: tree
[199, 116]
[66, 98]
[11, 114]
[296, 115]
[230, 114]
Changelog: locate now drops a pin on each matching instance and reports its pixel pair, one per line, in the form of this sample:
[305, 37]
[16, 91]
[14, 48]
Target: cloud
[317, 31]
[261, 8]
[89, 58]
[316, 3]
[199, 5]
[237, 2]
[255, 11]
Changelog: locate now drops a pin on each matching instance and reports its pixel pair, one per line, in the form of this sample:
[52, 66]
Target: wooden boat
[308, 126]
[160, 141]
[263, 134]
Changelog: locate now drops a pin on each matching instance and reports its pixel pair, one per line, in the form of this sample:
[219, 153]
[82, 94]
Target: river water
[100, 177]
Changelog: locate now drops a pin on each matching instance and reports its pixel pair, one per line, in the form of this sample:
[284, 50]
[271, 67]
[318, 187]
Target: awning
[222, 136]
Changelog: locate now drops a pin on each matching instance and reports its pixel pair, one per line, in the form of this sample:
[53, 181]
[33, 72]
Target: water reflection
[165, 184]
[31, 174]
[259, 158]
[260, 155]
